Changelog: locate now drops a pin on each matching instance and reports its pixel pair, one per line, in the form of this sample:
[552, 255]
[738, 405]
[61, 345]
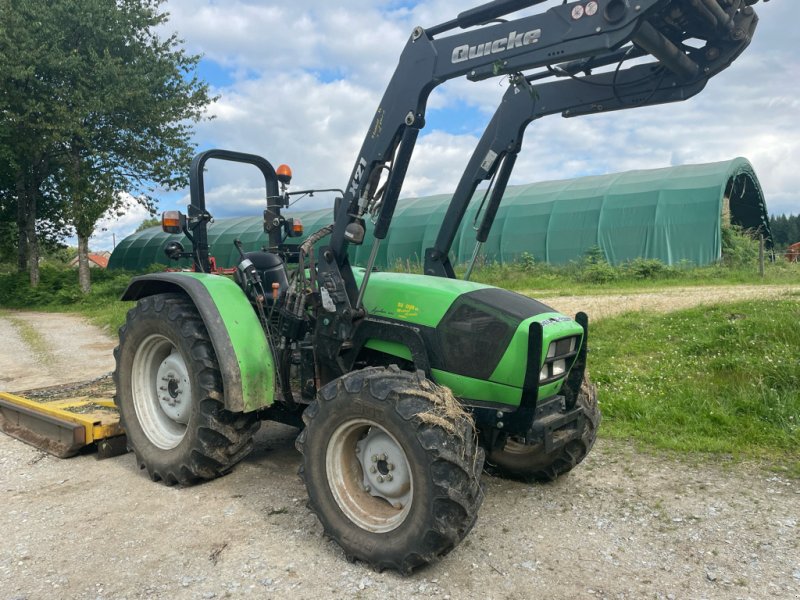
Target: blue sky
[298, 82]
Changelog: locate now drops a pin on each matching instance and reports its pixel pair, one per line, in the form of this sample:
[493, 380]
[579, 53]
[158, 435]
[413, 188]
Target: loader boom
[494, 156]
[568, 32]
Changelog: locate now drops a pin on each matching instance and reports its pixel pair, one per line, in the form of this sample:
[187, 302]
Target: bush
[646, 268]
[739, 246]
[600, 272]
[58, 287]
[526, 261]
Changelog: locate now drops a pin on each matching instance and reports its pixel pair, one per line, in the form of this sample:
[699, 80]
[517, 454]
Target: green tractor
[404, 385]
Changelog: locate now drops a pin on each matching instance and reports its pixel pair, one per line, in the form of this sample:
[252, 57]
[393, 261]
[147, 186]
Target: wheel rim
[369, 475]
[517, 448]
[162, 392]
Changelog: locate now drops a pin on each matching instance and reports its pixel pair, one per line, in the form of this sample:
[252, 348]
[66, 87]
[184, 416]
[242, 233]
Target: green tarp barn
[673, 214]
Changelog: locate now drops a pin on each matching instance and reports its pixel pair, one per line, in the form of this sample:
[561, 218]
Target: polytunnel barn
[672, 214]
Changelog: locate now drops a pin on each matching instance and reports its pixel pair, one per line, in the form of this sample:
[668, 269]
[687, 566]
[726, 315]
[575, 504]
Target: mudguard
[242, 349]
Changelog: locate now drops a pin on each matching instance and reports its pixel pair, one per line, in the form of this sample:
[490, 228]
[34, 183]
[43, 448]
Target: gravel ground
[624, 524]
[666, 300]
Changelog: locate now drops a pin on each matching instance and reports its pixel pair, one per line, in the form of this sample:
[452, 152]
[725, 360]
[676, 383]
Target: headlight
[559, 353]
[559, 367]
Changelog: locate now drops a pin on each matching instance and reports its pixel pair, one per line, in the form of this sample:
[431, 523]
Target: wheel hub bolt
[380, 478]
[390, 466]
[373, 470]
[375, 458]
[389, 477]
[383, 457]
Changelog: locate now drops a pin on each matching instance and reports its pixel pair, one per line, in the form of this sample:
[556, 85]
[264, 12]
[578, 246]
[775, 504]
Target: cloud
[306, 78]
[115, 226]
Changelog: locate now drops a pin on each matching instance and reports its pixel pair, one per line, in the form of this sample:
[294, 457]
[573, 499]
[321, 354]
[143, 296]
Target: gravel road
[665, 300]
[624, 524]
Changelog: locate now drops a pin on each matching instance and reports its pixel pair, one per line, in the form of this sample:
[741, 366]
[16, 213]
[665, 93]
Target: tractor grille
[476, 331]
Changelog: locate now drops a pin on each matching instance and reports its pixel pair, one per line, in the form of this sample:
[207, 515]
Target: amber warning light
[172, 221]
[294, 227]
[284, 173]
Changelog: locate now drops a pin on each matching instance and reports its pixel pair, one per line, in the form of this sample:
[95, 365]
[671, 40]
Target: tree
[125, 104]
[148, 223]
[785, 230]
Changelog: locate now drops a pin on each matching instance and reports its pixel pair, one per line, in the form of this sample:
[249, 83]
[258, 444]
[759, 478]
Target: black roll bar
[199, 217]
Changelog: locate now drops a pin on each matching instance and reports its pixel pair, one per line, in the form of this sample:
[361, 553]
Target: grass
[722, 379]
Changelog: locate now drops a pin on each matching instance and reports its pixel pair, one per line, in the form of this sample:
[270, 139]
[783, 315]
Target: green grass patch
[723, 379]
[586, 278]
[58, 291]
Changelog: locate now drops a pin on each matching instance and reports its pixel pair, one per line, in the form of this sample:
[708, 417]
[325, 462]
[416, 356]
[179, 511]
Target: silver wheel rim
[369, 475]
[162, 392]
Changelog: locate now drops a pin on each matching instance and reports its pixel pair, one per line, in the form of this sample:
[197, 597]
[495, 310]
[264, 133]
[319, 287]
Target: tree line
[96, 112]
[785, 230]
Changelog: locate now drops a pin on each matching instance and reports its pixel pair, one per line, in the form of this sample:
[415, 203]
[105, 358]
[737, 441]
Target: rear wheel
[392, 467]
[169, 395]
[529, 462]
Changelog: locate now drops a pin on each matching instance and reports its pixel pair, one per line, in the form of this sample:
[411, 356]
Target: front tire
[517, 460]
[392, 467]
[170, 398]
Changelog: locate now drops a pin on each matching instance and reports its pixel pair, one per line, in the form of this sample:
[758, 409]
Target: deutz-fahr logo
[514, 40]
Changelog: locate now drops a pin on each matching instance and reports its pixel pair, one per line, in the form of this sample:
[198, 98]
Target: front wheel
[169, 395]
[392, 467]
[529, 462]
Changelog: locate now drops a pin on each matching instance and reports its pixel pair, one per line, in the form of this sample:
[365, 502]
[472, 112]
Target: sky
[298, 83]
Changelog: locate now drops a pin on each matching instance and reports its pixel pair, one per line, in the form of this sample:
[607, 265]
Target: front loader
[401, 383]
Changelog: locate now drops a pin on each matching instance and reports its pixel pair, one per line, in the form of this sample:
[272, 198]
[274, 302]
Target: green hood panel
[419, 299]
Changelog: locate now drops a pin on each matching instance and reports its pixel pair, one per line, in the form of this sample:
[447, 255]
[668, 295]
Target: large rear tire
[392, 467]
[170, 397]
[517, 460]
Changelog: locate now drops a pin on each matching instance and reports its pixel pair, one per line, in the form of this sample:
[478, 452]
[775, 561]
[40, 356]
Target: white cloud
[308, 77]
[115, 226]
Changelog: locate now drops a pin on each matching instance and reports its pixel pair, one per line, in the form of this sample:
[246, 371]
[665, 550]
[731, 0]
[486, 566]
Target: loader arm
[590, 93]
[562, 33]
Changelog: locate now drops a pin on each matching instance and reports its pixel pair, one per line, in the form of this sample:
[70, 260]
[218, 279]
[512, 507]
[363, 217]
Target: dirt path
[624, 524]
[41, 349]
[666, 300]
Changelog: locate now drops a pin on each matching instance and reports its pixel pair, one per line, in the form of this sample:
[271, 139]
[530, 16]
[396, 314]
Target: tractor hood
[477, 335]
